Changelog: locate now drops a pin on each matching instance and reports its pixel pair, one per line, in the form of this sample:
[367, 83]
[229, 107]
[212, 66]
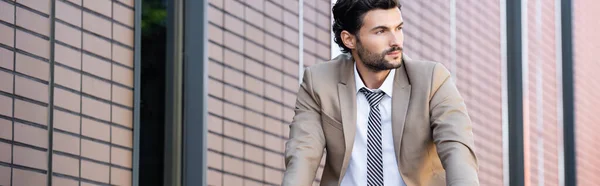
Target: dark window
[152, 102]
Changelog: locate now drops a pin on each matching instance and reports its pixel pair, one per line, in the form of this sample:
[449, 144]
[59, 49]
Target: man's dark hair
[348, 15]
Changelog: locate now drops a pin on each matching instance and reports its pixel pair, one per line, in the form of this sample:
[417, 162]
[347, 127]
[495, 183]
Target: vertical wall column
[568, 82]
[195, 94]
[515, 92]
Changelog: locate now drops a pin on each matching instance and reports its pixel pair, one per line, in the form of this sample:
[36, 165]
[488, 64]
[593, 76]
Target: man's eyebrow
[384, 27]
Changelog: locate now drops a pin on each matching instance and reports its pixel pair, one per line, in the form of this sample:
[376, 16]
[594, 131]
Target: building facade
[67, 79]
[70, 87]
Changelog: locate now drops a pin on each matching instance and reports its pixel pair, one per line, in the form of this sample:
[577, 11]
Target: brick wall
[540, 103]
[586, 55]
[317, 31]
[253, 80]
[93, 92]
[476, 68]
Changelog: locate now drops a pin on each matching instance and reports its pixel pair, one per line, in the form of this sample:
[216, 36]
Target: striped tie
[374, 142]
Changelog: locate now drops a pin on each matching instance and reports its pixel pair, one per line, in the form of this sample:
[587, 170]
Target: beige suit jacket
[432, 131]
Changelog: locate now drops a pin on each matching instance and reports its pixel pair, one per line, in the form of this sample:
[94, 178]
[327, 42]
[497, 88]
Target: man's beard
[377, 62]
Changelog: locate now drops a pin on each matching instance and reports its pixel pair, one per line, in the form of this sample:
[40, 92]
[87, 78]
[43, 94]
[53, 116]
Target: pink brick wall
[586, 68]
[92, 134]
[477, 66]
[253, 80]
[540, 122]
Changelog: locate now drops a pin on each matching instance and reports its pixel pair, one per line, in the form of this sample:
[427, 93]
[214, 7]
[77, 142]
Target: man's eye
[379, 32]
[399, 28]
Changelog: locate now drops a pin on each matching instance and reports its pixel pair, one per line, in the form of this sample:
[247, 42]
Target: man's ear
[348, 39]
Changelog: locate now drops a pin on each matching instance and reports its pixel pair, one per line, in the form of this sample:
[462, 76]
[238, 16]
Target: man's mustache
[394, 49]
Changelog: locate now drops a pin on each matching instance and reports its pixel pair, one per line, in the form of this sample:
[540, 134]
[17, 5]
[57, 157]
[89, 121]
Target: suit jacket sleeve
[452, 130]
[304, 149]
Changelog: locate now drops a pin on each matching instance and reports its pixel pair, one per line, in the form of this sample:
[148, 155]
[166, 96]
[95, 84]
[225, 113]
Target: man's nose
[396, 38]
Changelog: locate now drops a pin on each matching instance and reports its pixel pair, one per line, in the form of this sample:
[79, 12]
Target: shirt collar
[386, 87]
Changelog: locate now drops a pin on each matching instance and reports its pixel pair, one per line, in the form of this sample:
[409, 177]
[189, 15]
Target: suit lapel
[400, 103]
[347, 96]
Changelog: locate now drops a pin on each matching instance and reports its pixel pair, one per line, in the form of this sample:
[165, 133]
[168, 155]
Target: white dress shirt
[356, 173]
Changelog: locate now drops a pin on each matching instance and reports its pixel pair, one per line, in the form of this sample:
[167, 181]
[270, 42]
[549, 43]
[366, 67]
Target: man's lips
[394, 52]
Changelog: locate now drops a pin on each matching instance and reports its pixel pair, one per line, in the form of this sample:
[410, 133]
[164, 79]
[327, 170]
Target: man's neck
[371, 79]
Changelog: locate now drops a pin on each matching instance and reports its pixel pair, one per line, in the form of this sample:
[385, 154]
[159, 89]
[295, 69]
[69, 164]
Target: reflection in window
[152, 111]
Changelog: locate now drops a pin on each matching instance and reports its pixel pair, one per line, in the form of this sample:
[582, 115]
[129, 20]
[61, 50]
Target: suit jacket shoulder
[427, 75]
[330, 70]
[325, 76]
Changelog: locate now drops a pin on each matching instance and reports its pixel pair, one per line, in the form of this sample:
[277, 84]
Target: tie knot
[373, 97]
